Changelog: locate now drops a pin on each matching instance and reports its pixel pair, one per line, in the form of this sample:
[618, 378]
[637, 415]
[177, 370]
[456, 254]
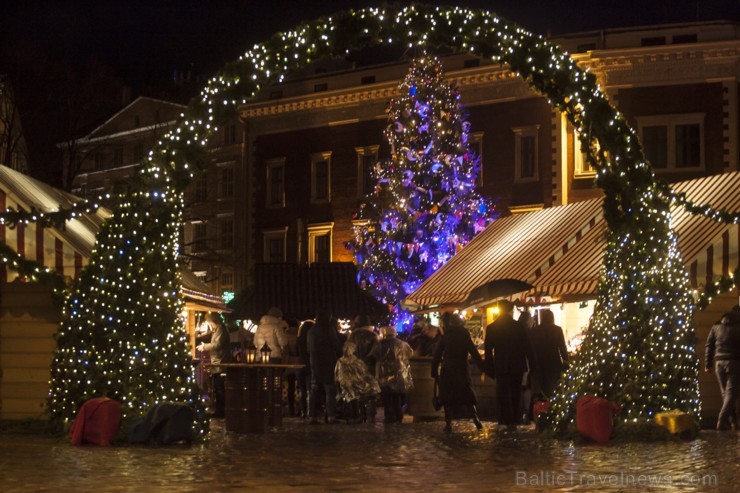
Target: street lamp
[265, 352]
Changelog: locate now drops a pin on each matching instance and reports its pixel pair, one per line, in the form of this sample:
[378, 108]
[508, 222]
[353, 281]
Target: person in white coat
[271, 330]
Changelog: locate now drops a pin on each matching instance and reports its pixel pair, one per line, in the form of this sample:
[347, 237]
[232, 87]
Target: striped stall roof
[709, 248]
[65, 250]
[520, 246]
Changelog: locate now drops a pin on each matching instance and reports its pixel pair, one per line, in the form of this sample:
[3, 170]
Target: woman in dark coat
[455, 386]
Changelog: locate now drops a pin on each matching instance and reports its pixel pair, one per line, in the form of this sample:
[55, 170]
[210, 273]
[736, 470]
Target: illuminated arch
[644, 293]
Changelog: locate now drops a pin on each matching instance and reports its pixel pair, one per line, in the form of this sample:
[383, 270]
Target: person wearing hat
[508, 355]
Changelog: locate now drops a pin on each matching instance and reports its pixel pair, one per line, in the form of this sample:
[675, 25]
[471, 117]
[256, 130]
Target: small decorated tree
[121, 336]
[426, 205]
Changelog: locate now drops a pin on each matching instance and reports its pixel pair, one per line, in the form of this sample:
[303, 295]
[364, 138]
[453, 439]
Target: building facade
[311, 140]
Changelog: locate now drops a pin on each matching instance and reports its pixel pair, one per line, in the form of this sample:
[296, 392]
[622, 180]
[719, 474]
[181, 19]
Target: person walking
[271, 331]
[394, 374]
[508, 354]
[365, 342]
[219, 349]
[723, 354]
[455, 385]
[548, 343]
[324, 349]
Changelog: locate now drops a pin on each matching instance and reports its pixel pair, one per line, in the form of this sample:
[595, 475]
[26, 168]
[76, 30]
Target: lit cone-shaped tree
[425, 206]
[121, 335]
[639, 350]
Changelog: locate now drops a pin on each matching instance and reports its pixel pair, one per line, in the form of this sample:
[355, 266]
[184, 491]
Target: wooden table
[254, 396]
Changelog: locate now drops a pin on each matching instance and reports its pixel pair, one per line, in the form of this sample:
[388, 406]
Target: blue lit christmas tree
[426, 205]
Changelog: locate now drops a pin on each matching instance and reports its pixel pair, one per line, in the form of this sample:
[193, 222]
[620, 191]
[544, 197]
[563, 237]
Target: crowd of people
[344, 374]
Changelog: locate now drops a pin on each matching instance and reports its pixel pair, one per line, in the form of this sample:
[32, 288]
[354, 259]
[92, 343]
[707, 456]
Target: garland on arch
[692, 207]
[11, 217]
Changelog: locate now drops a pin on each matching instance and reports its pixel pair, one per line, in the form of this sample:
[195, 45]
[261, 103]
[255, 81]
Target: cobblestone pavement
[372, 457]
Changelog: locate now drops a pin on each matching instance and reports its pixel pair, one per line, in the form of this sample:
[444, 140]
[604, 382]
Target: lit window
[320, 173]
[276, 183]
[274, 245]
[672, 142]
[583, 166]
[525, 149]
[367, 157]
[319, 242]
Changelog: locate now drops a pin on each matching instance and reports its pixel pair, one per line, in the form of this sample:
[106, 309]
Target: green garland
[54, 219]
[692, 207]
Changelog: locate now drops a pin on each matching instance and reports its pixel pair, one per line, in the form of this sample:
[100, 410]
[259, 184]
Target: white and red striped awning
[521, 246]
[709, 248]
[66, 250]
[559, 250]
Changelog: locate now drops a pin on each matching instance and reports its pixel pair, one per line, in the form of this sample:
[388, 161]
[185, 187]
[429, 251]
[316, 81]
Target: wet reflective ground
[373, 457]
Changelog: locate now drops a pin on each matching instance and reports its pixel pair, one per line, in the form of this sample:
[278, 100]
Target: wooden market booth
[559, 252]
[29, 317]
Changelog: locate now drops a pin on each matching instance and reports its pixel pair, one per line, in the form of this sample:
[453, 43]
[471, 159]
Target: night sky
[148, 38]
[142, 42]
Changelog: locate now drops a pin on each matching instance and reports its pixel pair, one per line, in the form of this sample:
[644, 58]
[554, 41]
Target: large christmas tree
[426, 205]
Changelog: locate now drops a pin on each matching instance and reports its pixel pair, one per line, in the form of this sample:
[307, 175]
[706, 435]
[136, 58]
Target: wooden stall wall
[28, 322]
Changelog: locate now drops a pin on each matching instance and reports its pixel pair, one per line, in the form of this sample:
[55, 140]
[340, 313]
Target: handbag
[436, 403]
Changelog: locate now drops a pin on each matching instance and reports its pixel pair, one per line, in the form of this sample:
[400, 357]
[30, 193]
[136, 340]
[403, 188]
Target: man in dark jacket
[548, 343]
[508, 355]
[324, 348]
[723, 353]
